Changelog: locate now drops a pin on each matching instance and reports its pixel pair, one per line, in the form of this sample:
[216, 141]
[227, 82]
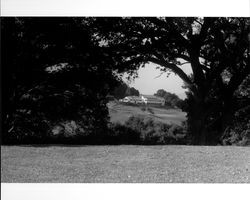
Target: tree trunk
[197, 114]
[228, 111]
[199, 129]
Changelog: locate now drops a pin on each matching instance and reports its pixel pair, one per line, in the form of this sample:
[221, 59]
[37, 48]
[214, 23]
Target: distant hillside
[120, 113]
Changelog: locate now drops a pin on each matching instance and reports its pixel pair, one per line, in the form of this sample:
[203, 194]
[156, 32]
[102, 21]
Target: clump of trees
[171, 99]
[123, 90]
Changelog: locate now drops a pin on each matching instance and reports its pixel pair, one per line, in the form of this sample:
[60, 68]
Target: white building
[151, 99]
[132, 99]
[144, 99]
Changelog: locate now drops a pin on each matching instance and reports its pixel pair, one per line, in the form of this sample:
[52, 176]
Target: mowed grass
[120, 113]
[126, 164]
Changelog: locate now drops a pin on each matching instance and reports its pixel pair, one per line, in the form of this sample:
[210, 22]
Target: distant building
[144, 99]
[151, 99]
[132, 99]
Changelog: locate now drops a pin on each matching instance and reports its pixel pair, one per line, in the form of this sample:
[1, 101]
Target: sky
[149, 81]
[125, 8]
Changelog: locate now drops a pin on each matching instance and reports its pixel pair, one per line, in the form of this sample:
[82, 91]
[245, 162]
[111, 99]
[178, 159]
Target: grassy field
[120, 113]
[139, 164]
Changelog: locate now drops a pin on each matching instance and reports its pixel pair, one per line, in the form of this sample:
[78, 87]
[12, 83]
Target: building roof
[153, 97]
[134, 97]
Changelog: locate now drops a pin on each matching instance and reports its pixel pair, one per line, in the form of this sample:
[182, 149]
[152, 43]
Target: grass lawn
[121, 113]
[126, 163]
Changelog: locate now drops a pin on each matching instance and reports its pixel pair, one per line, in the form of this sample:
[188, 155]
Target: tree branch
[198, 22]
[173, 67]
[171, 28]
[184, 63]
[159, 75]
[204, 29]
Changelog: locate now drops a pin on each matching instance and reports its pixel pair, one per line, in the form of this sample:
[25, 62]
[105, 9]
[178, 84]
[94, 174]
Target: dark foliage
[52, 75]
[238, 132]
[57, 73]
[216, 48]
[123, 90]
[122, 134]
[153, 133]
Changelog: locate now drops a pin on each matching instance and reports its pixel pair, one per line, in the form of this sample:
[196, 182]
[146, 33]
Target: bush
[27, 127]
[150, 110]
[136, 130]
[238, 133]
[140, 130]
[56, 115]
[120, 134]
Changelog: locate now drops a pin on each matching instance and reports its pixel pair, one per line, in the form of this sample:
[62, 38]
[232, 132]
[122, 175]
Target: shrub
[120, 134]
[140, 130]
[150, 110]
[27, 127]
[238, 133]
[55, 111]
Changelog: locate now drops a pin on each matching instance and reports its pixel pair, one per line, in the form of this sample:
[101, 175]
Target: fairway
[125, 164]
[120, 113]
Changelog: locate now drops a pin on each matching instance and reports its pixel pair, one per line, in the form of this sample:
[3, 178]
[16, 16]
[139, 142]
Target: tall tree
[217, 49]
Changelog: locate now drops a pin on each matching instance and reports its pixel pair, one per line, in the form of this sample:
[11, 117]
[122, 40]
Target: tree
[171, 99]
[123, 90]
[161, 93]
[51, 72]
[119, 91]
[216, 48]
[133, 92]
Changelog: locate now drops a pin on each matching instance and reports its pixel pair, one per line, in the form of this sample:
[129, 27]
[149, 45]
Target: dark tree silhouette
[123, 90]
[51, 72]
[133, 92]
[216, 48]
